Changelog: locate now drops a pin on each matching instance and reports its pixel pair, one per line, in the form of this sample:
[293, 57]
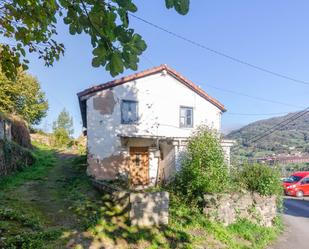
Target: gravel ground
[296, 221]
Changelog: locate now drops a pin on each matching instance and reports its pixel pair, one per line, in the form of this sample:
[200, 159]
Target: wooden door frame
[139, 149]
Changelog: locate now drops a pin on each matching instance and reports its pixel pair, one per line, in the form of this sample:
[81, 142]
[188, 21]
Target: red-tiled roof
[151, 71]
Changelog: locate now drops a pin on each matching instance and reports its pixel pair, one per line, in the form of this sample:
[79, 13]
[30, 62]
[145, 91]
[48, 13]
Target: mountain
[292, 138]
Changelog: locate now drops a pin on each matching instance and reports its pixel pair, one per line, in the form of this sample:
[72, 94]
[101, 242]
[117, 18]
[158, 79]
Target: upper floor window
[186, 116]
[129, 112]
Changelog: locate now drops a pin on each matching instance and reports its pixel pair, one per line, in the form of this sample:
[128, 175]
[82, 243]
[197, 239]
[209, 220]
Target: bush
[62, 137]
[260, 178]
[203, 167]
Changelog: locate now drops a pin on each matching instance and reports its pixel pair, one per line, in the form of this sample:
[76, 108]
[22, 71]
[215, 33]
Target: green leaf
[72, 29]
[96, 61]
[132, 7]
[116, 64]
[123, 17]
[169, 3]
[25, 67]
[108, 23]
[182, 6]
[67, 20]
[139, 43]
[100, 51]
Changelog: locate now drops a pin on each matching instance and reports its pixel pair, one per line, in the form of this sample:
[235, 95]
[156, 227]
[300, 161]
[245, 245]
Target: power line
[252, 97]
[257, 114]
[279, 126]
[232, 58]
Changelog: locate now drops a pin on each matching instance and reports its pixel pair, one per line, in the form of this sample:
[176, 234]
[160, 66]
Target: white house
[137, 126]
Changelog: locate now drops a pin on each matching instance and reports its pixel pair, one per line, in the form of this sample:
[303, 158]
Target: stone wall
[13, 157]
[5, 129]
[149, 209]
[227, 208]
[144, 209]
[43, 138]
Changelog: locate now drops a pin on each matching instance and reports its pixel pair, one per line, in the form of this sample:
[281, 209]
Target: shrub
[62, 137]
[260, 178]
[203, 167]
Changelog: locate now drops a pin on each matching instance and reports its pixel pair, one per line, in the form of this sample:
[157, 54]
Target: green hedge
[203, 167]
[204, 171]
[259, 178]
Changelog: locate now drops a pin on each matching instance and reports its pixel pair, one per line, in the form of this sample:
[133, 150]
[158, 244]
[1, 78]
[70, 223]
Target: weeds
[26, 225]
[44, 159]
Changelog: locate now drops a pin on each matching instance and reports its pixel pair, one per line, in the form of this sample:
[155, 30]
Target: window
[292, 179]
[186, 116]
[305, 181]
[129, 113]
[137, 160]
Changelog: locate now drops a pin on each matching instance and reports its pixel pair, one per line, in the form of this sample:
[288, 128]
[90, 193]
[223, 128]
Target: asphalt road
[296, 221]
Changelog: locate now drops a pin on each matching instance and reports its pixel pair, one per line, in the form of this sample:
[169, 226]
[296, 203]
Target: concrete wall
[167, 161]
[226, 146]
[160, 97]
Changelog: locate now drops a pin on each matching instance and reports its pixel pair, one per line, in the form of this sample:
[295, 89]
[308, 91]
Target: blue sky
[271, 34]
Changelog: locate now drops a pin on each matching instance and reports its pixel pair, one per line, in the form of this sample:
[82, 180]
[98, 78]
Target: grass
[53, 205]
[258, 236]
[44, 159]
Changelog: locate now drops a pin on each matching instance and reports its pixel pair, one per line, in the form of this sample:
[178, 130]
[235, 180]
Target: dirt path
[296, 222]
[46, 194]
[49, 205]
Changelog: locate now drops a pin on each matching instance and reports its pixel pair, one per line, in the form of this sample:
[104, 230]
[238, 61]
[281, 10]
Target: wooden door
[139, 165]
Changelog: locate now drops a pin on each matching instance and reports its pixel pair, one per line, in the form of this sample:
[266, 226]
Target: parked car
[297, 184]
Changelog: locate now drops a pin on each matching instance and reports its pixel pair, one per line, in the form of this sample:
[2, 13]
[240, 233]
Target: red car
[297, 184]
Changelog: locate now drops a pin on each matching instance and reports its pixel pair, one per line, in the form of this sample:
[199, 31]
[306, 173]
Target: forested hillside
[291, 138]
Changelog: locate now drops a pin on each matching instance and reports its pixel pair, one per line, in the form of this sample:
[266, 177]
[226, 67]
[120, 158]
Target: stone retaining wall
[5, 129]
[144, 209]
[13, 157]
[227, 208]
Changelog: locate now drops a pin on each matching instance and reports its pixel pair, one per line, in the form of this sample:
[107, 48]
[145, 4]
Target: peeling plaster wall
[167, 163]
[159, 98]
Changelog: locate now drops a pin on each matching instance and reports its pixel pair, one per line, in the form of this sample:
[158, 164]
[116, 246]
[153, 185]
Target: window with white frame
[129, 111]
[186, 117]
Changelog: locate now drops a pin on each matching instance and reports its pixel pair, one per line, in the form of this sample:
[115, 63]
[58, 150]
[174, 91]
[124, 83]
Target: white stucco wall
[159, 99]
[226, 147]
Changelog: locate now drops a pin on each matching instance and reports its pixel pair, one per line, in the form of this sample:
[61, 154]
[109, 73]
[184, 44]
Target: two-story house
[137, 126]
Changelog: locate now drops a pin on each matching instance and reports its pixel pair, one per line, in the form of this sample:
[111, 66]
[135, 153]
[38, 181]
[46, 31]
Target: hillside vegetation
[53, 205]
[290, 139]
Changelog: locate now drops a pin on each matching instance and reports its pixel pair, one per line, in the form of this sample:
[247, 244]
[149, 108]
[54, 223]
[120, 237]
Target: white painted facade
[159, 98]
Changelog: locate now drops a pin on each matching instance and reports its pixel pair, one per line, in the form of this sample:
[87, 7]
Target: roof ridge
[190, 84]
